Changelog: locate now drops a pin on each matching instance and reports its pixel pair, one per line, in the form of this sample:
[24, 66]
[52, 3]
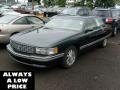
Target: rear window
[70, 11]
[7, 19]
[102, 13]
[115, 13]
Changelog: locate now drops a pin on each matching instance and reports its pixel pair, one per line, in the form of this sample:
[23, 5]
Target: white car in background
[9, 11]
[4, 8]
[12, 24]
[16, 6]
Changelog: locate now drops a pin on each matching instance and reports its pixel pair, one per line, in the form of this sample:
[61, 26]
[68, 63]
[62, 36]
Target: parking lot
[97, 69]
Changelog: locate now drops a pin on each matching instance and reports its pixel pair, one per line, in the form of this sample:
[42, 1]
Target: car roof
[77, 8]
[106, 9]
[22, 15]
[102, 9]
[74, 17]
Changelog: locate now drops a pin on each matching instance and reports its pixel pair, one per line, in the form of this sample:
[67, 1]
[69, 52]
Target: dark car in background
[111, 16]
[80, 11]
[49, 12]
[59, 41]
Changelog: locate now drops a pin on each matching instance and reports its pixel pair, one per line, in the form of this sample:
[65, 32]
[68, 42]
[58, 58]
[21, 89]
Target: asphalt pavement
[96, 69]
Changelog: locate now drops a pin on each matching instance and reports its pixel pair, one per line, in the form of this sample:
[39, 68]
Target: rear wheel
[69, 57]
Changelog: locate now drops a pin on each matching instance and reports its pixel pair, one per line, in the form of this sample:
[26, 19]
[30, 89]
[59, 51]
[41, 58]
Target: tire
[104, 43]
[114, 31]
[69, 57]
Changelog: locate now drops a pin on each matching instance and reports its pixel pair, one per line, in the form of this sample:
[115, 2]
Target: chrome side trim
[32, 57]
[94, 42]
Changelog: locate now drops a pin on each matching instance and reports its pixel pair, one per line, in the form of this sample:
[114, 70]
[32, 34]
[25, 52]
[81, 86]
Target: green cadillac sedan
[59, 41]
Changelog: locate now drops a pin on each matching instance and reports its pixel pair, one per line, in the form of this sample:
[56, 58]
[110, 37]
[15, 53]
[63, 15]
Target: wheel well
[77, 47]
[14, 33]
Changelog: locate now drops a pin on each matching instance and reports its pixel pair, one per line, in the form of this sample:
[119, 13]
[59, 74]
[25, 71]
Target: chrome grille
[22, 48]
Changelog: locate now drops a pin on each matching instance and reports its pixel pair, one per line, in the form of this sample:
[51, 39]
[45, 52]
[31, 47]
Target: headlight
[47, 51]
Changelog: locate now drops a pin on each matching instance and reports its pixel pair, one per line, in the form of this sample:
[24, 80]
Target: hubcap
[71, 57]
[105, 42]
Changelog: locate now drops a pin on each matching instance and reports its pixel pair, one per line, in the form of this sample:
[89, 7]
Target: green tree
[61, 3]
[38, 1]
[48, 2]
[80, 3]
[105, 3]
[88, 3]
[117, 2]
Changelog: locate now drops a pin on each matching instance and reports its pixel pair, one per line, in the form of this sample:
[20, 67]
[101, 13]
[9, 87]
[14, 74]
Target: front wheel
[114, 31]
[69, 57]
[104, 43]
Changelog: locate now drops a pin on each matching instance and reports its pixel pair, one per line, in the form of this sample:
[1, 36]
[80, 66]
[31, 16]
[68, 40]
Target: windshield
[102, 13]
[38, 6]
[7, 19]
[70, 11]
[68, 24]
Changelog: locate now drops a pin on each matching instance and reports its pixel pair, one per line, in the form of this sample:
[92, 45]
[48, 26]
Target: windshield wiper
[47, 28]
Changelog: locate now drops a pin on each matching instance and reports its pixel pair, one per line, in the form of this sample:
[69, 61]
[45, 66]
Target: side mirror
[88, 30]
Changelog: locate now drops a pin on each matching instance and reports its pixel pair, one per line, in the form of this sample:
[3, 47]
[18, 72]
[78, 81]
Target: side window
[34, 20]
[86, 12]
[81, 12]
[89, 12]
[21, 21]
[90, 25]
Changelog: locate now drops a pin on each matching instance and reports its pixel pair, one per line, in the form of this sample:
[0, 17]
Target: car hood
[42, 37]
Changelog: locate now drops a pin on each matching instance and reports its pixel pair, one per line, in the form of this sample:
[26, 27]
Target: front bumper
[4, 38]
[33, 60]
